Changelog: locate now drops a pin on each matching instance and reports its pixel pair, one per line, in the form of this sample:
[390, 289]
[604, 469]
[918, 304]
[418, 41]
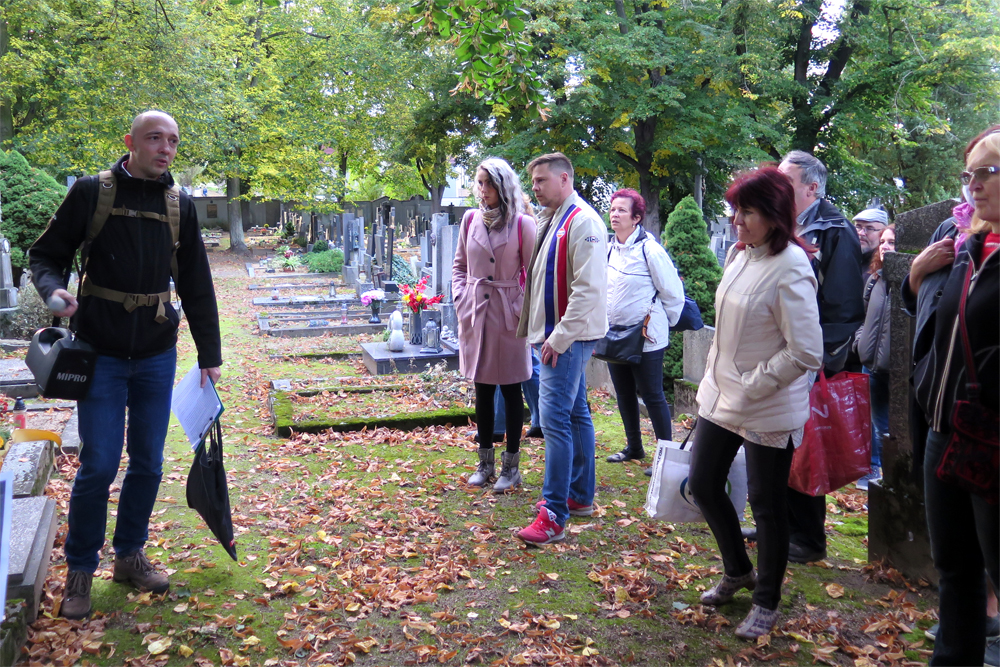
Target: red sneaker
[575, 508]
[543, 531]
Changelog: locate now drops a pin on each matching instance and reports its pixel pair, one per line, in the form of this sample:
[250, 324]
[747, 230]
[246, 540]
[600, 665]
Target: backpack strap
[107, 187]
[173, 199]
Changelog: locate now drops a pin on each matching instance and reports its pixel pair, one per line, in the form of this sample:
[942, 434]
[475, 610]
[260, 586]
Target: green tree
[28, 198]
[686, 239]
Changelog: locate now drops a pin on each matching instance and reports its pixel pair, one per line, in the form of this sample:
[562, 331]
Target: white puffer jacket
[767, 338]
[633, 280]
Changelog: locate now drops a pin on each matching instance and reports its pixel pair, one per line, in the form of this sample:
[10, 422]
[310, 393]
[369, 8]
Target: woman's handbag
[623, 343]
[972, 456]
[836, 445]
[669, 498]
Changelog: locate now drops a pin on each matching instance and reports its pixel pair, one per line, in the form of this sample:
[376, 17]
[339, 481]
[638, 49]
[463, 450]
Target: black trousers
[965, 543]
[767, 488]
[485, 414]
[643, 379]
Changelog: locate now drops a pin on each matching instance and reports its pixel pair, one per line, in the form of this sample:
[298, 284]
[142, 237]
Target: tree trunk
[236, 242]
[6, 114]
[649, 185]
[437, 193]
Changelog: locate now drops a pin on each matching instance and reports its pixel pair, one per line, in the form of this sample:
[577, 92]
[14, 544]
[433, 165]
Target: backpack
[106, 190]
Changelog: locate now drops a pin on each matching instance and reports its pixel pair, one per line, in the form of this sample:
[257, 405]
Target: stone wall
[897, 525]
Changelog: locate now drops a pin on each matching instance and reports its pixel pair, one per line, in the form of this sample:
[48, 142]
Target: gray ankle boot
[486, 468]
[510, 476]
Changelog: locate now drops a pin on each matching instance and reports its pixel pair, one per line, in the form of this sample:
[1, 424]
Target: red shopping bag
[836, 446]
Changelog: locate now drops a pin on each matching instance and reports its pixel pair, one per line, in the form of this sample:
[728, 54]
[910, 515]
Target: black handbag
[207, 491]
[623, 343]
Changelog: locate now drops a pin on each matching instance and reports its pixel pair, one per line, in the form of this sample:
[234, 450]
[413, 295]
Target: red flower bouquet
[415, 298]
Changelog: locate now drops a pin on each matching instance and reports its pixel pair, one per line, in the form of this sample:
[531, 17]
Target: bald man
[148, 230]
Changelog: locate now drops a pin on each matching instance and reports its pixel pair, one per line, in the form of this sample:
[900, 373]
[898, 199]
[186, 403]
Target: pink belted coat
[488, 300]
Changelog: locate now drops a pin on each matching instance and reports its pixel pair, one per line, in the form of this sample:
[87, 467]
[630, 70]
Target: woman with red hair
[755, 394]
[641, 281]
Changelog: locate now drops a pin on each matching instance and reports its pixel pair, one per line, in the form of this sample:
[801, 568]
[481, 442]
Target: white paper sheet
[196, 407]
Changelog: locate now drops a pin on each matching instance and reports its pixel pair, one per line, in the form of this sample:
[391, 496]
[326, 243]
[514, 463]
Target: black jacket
[938, 382]
[837, 264]
[131, 255]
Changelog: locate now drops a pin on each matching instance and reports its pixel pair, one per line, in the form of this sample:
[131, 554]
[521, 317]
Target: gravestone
[897, 525]
[350, 273]
[440, 223]
[389, 239]
[30, 465]
[8, 293]
[16, 380]
[32, 532]
[448, 244]
[696, 347]
[361, 287]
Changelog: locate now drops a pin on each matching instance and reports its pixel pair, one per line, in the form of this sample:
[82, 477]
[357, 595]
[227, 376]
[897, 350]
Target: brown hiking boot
[138, 571]
[76, 596]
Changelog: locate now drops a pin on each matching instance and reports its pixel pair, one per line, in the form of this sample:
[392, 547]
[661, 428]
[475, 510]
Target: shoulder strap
[972, 383]
[107, 186]
[173, 200]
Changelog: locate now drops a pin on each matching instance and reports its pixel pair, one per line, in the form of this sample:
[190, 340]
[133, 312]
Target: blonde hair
[990, 143]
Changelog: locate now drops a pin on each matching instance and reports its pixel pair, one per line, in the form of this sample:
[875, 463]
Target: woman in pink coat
[494, 244]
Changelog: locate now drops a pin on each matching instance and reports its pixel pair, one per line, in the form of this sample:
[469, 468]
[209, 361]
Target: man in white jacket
[564, 315]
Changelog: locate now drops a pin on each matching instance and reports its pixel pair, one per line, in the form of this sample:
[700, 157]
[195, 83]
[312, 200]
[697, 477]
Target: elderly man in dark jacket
[837, 263]
[149, 231]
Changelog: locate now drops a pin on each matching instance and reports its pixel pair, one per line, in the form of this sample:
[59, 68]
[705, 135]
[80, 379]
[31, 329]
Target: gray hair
[813, 170]
[508, 186]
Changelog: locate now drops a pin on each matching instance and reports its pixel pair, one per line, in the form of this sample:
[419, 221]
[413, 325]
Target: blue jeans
[878, 381]
[144, 387]
[569, 431]
[965, 541]
[530, 389]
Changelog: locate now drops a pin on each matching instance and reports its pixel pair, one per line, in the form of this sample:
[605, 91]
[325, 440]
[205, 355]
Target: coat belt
[501, 286]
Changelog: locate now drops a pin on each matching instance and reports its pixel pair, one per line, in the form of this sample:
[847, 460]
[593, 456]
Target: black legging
[484, 414]
[767, 485]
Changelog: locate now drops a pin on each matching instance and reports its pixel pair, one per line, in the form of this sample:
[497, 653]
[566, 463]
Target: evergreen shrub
[321, 246]
[686, 239]
[28, 198]
[328, 261]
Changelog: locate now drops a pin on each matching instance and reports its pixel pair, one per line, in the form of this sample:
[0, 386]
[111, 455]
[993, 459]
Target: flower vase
[416, 329]
[376, 305]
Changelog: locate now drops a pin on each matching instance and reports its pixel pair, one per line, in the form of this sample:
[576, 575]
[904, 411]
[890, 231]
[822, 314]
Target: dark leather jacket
[131, 255]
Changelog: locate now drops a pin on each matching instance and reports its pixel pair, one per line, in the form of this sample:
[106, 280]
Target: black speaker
[63, 366]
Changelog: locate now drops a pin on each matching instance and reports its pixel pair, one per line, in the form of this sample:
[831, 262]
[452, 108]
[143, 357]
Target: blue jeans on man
[530, 389]
[569, 431]
[144, 387]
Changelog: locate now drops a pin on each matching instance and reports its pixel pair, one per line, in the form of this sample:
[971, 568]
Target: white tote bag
[669, 495]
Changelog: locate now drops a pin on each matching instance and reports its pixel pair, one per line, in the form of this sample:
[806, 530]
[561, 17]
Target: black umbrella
[207, 492]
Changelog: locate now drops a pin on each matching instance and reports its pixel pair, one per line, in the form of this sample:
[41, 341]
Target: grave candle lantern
[432, 341]
[343, 314]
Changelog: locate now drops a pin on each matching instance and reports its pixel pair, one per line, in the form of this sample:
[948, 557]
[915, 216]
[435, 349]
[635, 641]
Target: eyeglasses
[981, 174]
[869, 229]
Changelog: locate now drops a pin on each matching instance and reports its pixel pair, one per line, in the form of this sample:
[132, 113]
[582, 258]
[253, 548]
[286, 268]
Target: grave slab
[70, 435]
[16, 380]
[380, 361]
[30, 464]
[32, 531]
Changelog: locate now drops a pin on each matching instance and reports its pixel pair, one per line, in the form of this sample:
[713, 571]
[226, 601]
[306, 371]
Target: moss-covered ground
[367, 548]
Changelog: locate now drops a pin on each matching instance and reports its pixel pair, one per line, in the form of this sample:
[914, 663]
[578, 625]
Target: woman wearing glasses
[953, 290]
